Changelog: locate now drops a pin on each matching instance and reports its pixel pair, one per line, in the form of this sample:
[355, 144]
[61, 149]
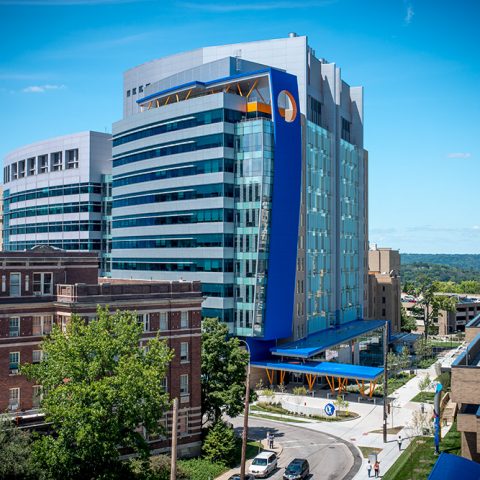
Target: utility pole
[385, 381]
[245, 417]
[173, 465]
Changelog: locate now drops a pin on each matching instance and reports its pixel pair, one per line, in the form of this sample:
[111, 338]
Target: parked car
[236, 476]
[263, 464]
[297, 469]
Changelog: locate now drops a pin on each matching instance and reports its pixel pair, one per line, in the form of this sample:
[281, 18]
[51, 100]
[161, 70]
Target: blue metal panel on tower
[285, 208]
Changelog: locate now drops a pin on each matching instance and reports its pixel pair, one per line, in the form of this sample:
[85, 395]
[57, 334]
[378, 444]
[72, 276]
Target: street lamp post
[245, 416]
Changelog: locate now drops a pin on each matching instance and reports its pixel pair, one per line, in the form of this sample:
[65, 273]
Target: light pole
[245, 416]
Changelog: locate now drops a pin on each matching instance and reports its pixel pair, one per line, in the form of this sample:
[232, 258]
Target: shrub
[220, 444]
[445, 379]
[299, 391]
[268, 393]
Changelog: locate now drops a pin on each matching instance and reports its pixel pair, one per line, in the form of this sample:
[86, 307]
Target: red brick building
[46, 286]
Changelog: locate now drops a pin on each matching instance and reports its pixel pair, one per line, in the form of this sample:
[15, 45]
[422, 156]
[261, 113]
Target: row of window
[56, 209]
[193, 216]
[74, 226]
[192, 241]
[84, 245]
[42, 324]
[52, 162]
[186, 145]
[173, 171]
[173, 265]
[14, 395]
[179, 123]
[187, 193]
[133, 91]
[42, 283]
[55, 192]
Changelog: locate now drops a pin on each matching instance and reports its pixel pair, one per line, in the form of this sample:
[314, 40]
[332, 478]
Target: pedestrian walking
[376, 468]
[270, 438]
[369, 469]
[400, 440]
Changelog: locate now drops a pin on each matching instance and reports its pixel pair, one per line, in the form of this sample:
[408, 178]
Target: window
[183, 423]
[183, 319]
[140, 89]
[184, 385]
[6, 174]
[14, 362]
[21, 169]
[345, 134]
[42, 325]
[14, 327]
[37, 396]
[144, 320]
[134, 91]
[15, 286]
[14, 399]
[63, 320]
[164, 384]
[31, 166]
[163, 321]
[184, 352]
[37, 356]
[56, 163]
[42, 283]
[71, 158]
[42, 164]
[14, 171]
[128, 93]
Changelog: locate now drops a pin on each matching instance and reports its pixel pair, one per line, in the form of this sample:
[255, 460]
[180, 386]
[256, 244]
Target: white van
[263, 464]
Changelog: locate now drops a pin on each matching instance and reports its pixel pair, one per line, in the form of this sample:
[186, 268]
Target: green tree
[432, 303]
[220, 444]
[15, 452]
[408, 323]
[224, 370]
[100, 389]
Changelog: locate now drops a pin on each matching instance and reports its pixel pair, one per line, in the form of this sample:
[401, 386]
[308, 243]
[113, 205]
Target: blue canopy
[317, 342]
[451, 467]
[341, 370]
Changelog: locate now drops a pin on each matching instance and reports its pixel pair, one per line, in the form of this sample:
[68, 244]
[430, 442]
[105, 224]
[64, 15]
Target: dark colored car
[236, 476]
[297, 469]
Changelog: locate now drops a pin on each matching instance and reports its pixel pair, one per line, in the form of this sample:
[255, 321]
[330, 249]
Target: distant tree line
[460, 261]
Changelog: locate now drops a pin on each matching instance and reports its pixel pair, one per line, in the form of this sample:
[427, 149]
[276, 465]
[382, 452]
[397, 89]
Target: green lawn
[424, 397]
[445, 344]
[418, 459]
[281, 419]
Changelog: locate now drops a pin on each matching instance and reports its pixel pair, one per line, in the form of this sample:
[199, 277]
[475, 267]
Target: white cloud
[237, 7]
[409, 15]
[459, 155]
[42, 88]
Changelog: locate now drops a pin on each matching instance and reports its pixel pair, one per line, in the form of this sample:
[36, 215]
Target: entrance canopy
[323, 369]
[324, 339]
[450, 467]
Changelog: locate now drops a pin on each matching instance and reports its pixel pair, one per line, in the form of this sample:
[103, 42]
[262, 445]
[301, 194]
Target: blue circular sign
[329, 409]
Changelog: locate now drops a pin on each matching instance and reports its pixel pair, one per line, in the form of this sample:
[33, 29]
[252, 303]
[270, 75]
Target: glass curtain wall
[253, 195]
[319, 203]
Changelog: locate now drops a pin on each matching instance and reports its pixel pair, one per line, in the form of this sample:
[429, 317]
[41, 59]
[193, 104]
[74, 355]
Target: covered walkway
[339, 373]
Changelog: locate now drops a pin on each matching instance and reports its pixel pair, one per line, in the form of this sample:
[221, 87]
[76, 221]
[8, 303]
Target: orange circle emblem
[287, 107]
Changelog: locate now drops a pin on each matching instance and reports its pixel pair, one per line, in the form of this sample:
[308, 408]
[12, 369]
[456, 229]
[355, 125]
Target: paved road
[330, 458]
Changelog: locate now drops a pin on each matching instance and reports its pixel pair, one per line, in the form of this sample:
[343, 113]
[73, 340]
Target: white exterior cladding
[67, 196]
[332, 247]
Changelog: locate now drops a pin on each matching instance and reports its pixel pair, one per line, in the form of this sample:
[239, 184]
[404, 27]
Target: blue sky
[61, 65]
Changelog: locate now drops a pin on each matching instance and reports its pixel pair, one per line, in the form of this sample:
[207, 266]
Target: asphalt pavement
[330, 457]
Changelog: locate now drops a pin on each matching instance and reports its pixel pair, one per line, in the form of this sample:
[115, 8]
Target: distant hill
[441, 267]
[462, 261]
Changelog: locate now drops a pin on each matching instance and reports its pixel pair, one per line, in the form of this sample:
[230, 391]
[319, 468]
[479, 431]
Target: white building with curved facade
[56, 192]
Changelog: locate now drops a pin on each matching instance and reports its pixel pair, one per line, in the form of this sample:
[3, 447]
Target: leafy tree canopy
[224, 364]
[100, 386]
[15, 452]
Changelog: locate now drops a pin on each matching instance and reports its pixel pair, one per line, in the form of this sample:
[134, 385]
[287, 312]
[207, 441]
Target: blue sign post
[436, 417]
[329, 409]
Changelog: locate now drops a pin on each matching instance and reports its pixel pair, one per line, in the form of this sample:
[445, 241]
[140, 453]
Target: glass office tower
[243, 166]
